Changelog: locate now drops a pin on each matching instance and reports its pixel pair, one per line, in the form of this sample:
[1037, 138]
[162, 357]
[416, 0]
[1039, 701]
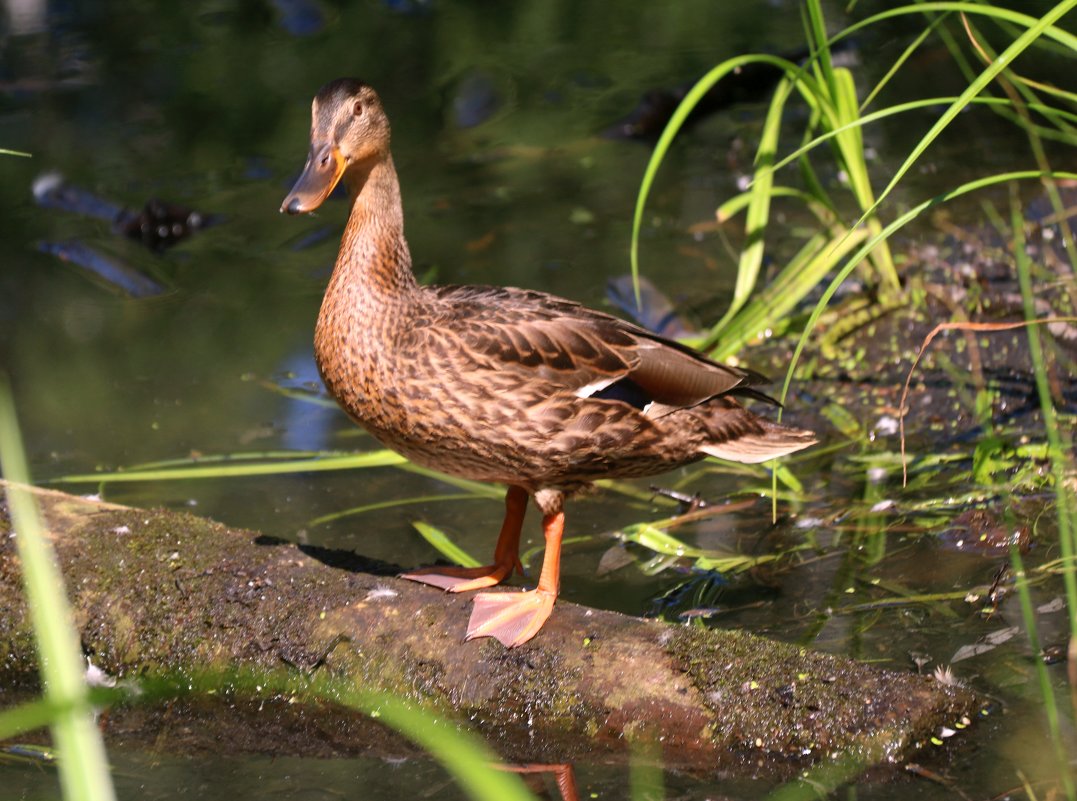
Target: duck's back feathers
[588, 394]
[583, 351]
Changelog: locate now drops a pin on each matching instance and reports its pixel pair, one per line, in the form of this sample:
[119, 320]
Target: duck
[511, 386]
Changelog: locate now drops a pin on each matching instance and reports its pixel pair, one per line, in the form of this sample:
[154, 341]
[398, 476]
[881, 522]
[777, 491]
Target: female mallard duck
[500, 384]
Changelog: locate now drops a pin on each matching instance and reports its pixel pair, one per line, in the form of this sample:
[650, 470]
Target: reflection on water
[496, 111]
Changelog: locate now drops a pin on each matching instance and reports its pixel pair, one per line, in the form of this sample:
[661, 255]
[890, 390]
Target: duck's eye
[357, 109]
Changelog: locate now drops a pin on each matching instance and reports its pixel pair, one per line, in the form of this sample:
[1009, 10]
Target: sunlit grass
[444, 544]
[82, 764]
[1060, 452]
[646, 779]
[836, 118]
[266, 463]
[836, 248]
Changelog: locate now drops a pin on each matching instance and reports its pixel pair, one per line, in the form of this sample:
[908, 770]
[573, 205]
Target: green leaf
[83, 768]
[445, 546]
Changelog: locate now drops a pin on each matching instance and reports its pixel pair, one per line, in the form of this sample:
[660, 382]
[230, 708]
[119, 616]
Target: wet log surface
[166, 594]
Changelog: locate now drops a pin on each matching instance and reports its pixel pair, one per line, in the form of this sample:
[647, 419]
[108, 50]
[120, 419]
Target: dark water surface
[495, 111]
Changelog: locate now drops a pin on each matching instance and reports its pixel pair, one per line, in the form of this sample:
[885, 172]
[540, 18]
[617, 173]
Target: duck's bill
[324, 167]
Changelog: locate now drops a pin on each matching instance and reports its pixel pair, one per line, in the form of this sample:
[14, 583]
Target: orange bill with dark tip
[321, 174]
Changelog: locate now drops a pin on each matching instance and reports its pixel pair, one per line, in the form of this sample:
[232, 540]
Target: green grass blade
[444, 545]
[850, 144]
[850, 140]
[38, 713]
[889, 230]
[461, 753]
[464, 755]
[344, 461]
[676, 121]
[646, 778]
[900, 108]
[759, 199]
[817, 38]
[272, 463]
[796, 281]
[751, 260]
[1039, 28]
[1050, 708]
[83, 765]
[1023, 86]
[1055, 39]
[28, 716]
[1060, 35]
[1057, 92]
[957, 52]
[824, 779]
[390, 504]
[475, 488]
[912, 47]
[738, 203]
[1059, 449]
[654, 537]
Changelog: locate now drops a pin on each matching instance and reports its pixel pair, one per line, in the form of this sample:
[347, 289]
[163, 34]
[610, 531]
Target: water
[494, 113]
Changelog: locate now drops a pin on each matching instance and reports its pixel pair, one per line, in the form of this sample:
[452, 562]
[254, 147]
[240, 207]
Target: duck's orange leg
[506, 555]
[516, 617]
[563, 774]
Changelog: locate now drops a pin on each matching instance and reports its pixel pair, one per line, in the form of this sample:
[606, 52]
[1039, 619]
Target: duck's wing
[556, 346]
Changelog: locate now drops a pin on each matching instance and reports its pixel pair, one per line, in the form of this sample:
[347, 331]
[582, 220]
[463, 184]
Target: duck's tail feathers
[771, 442]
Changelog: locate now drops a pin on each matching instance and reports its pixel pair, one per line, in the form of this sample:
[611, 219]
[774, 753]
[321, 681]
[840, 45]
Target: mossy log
[160, 593]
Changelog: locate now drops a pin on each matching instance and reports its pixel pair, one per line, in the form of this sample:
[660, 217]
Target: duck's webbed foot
[511, 617]
[463, 579]
[506, 555]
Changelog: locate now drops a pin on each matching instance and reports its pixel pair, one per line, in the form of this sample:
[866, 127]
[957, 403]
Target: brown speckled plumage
[494, 383]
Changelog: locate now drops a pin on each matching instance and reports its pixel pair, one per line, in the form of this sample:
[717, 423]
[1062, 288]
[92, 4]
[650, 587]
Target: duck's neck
[374, 262]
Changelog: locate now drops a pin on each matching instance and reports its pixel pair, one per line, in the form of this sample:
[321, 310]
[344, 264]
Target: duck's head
[349, 133]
